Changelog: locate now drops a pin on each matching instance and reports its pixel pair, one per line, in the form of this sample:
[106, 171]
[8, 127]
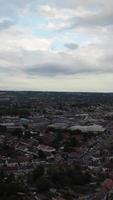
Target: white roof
[58, 125]
[91, 128]
[7, 124]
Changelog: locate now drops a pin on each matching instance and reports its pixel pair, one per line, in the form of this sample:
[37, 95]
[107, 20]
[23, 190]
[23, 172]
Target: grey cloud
[101, 13]
[72, 46]
[6, 24]
[9, 11]
[74, 3]
[93, 20]
[54, 69]
[6, 71]
[107, 62]
[13, 8]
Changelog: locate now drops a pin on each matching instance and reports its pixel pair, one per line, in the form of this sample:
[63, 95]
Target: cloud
[39, 40]
[56, 69]
[20, 39]
[81, 13]
[92, 20]
[6, 23]
[71, 46]
[75, 3]
[56, 13]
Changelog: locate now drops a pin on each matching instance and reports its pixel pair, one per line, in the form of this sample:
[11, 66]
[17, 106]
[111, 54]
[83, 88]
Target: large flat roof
[91, 128]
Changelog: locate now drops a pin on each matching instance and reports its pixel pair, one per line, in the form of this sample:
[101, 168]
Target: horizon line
[56, 91]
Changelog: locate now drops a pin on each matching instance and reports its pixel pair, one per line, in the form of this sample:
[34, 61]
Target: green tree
[43, 184]
[38, 172]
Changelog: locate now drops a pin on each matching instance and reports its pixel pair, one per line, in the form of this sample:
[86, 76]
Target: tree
[58, 176]
[9, 189]
[41, 155]
[38, 172]
[18, 132]
[3, 129]
[43, 184]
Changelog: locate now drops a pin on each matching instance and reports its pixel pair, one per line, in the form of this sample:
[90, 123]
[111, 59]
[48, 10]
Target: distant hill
[73, 97]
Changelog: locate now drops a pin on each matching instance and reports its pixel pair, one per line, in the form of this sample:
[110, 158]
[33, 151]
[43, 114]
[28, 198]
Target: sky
[56, 45]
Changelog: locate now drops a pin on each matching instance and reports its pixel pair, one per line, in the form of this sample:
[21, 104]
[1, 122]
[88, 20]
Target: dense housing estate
[55, 149]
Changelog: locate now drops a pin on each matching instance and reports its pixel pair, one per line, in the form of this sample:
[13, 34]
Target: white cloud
[69, 46]
[13, 39]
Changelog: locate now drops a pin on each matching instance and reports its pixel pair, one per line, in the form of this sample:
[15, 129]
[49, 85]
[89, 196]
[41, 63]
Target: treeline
[14, 111]
[58, 177]
[12, 188]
